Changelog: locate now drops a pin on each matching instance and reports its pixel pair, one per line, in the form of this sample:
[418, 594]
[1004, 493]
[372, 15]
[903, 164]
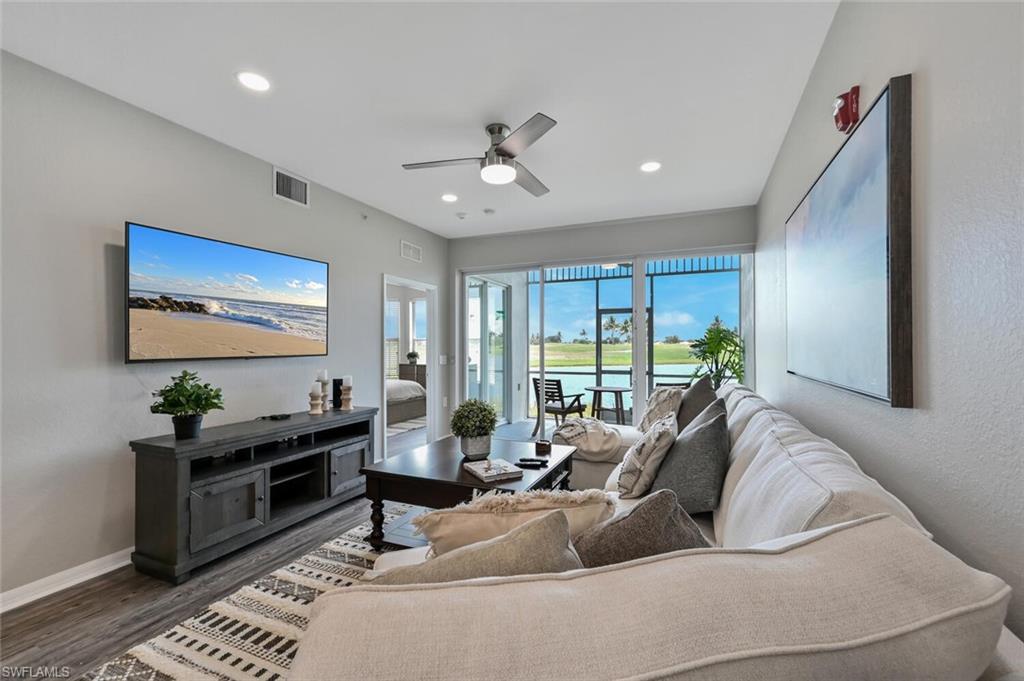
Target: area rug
[405, 426]
[253, 633]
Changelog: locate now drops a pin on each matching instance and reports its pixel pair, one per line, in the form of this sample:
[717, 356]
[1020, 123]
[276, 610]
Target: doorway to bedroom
[409, 309]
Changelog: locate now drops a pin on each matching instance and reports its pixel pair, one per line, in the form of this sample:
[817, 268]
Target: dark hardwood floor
[88, 624]
[403, 442]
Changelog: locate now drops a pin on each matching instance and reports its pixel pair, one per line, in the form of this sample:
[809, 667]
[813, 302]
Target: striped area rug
[252, 634]
[405, 426]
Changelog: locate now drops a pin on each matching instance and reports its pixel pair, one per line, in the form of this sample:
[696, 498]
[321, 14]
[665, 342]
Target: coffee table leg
[377, 518]
[373, 493]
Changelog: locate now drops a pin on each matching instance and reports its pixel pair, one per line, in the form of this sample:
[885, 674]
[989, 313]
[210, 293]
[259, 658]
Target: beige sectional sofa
[817, 572]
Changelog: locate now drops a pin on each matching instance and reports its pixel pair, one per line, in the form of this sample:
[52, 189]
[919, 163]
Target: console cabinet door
[222, 509]
[345, 464]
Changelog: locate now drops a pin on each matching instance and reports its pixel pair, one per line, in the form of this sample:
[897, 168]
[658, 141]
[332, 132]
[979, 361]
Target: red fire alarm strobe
[846, 109]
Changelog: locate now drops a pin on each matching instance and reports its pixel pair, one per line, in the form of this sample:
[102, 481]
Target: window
[391, 338]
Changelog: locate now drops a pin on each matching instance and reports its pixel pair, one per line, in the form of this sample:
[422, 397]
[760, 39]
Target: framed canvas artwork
[848, 267]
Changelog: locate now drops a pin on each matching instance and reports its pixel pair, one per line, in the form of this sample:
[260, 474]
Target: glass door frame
[484, 312]
[642, 348]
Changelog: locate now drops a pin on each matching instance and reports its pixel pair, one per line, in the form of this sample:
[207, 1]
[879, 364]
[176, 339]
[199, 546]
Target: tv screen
[189, 297]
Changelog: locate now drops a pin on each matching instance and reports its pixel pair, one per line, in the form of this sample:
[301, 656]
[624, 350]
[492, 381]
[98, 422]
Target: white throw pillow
[641, 462]
[494, 514]
[662, 402]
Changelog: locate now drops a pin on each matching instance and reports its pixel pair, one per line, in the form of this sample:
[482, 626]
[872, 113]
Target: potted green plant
[413, 357]
[473, 423]
[721, 352]
[186, 400]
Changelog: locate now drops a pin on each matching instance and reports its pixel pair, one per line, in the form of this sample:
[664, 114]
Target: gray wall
[956, 458]
[730, 229]
[76, 164]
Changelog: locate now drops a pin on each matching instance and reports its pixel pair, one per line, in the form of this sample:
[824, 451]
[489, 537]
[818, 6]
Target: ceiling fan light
[501, 171]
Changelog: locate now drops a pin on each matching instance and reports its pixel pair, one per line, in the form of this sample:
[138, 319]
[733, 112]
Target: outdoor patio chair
[556, 402]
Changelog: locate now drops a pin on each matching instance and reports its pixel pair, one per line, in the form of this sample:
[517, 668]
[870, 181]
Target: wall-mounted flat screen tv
[189, 297]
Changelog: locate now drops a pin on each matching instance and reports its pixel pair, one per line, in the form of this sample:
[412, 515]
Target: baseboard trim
[17, 597]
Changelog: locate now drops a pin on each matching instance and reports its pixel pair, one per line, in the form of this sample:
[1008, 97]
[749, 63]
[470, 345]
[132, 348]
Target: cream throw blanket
[592, 438]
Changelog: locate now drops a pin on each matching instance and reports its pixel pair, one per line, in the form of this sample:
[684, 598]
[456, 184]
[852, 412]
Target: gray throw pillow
[656, 525]
[695, 400]
[696, 464]
[538, 546]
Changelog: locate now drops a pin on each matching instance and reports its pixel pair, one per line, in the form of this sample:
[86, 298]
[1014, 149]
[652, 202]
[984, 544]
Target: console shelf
[198, 499]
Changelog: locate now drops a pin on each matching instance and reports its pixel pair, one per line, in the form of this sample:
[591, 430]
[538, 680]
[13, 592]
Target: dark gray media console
[199, 499]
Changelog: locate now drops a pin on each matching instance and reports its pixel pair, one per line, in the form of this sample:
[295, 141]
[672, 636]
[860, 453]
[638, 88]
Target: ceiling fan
[498, 164]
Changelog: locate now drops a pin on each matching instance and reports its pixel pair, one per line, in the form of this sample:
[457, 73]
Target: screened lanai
[586, 329]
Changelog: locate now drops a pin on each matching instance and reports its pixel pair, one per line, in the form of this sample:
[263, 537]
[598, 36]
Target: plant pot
[475, 448]
[413, 362]
[187, 427]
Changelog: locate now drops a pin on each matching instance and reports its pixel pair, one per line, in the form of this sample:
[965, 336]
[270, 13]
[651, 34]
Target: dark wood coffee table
[432, 476]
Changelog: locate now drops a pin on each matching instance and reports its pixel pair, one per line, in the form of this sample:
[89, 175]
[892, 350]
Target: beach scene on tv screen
[190, 297]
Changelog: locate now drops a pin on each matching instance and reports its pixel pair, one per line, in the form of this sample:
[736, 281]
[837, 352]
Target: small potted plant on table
[473, 423]
[413, 357]
[186, 400]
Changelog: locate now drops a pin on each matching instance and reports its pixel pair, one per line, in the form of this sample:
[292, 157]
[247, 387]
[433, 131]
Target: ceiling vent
[291, 187]
[411, 251]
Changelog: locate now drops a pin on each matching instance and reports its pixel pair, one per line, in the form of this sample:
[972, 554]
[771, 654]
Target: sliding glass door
[486, 331]
[593, 329]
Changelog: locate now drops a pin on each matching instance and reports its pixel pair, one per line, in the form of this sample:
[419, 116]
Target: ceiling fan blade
[441, 164]
[529, 181]
[525, 135]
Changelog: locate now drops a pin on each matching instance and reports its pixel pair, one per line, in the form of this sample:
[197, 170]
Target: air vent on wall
[411, 251]
[291, 187]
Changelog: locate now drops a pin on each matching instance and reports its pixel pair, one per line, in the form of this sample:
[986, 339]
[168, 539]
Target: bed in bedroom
[407, 399]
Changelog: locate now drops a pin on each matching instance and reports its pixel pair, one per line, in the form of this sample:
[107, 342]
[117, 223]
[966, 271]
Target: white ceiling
[358, 89]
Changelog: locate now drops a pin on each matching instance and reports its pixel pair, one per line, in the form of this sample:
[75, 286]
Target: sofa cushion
[696, 398]
[494, 514]
[783, 492]
[746, 447]
[695, 465]
[656, 525]
[641, 462]
[661, 403]
[537, 546]
[870, 600]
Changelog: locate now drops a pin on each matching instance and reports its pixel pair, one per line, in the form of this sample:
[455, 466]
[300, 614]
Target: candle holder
[315, 402]
[346, 398]
[325, 396]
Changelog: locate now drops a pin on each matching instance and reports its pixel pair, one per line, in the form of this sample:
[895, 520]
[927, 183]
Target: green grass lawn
[579, 355]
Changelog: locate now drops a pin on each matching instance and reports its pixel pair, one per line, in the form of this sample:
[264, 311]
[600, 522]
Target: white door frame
[433, 357]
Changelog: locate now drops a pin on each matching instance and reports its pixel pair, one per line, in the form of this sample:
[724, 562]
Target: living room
[611, 243]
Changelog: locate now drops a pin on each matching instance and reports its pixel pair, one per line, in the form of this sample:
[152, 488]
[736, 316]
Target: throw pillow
[696, 399]
[640, 464]
[695, 465]
[661, 403]
[494, 514]
[537, 546]
[656, 525]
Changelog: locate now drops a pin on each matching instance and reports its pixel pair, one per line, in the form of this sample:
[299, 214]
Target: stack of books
[492, 470]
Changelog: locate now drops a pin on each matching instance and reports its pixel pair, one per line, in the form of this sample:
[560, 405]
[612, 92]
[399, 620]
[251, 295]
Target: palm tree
[611, 325]
[626, 325]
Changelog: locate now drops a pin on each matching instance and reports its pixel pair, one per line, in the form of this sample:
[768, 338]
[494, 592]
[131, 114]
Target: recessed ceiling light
[650, 166]
[449, 198]
[253, 81]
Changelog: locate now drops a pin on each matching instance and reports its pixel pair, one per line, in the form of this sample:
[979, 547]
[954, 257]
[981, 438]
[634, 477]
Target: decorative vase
[187, 427]
[475, 448]
[413, 360]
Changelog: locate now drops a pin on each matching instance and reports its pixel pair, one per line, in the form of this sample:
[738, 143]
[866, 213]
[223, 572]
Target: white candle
[346, 381]
[322, 375]
[315, 389]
